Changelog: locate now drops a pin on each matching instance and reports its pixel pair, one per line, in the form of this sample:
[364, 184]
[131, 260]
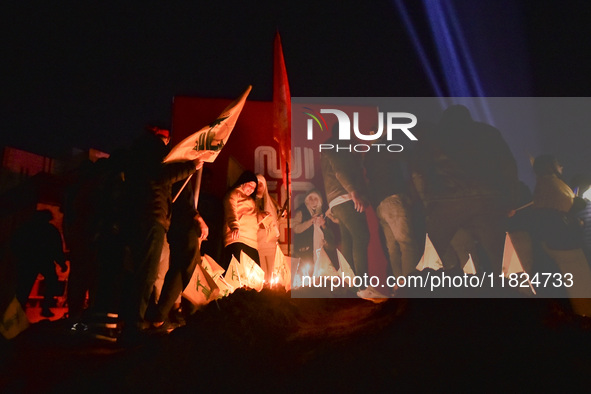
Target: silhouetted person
[187, 228]
[81, 217]
[211, 209]
[111, 244]
[392, 199]
[148, 192]
[519, 227]
[37, 246]
[466, 176]
[345, 192]
[556, 206]
[558, 227]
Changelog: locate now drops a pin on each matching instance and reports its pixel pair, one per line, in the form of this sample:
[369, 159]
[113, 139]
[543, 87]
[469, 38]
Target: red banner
[281, 109]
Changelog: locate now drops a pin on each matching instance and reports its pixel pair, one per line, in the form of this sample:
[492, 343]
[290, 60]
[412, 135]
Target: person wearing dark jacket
[149, 200]
[466, 177]
[37, 245]
[345, 191]
[392, 198]
[187, 228]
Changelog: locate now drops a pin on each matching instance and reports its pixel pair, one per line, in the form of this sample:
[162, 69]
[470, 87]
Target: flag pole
[198, 186]
[182, 187]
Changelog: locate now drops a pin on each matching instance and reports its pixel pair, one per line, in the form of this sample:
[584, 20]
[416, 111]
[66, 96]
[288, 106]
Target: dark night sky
[92, 74]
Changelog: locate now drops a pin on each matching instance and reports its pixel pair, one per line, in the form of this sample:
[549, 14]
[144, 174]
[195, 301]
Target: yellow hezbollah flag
[207, 143]
[233, 274]
[225, 288]
[201, 288]
[211, 267]
[14, 320]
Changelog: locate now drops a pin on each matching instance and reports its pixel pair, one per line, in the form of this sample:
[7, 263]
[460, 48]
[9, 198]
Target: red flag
[282, 111]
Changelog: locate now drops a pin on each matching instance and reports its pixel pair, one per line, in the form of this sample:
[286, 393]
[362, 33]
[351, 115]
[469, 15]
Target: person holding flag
[152, 170]
[149, 199]
[187, 230]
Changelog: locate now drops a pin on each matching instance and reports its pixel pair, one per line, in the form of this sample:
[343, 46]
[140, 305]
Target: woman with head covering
[309, 227]
[241, 219]
[268, 232]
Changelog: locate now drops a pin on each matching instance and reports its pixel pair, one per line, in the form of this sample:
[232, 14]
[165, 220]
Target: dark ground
[269, 342]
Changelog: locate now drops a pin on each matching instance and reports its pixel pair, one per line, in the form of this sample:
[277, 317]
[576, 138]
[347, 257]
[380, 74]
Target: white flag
[254, 274]
[430, 257]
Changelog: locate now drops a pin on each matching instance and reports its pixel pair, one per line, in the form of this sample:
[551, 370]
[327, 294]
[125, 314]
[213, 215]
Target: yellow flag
[213, 268]
[233, 274]
[14, 320]
[254, 274]
[201, 288]
[207, 143]
[225, 288]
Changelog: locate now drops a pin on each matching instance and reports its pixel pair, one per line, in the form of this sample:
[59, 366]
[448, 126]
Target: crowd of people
[458, 186]
[133, 251]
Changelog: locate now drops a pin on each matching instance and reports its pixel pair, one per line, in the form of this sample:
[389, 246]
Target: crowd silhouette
[458, 185]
